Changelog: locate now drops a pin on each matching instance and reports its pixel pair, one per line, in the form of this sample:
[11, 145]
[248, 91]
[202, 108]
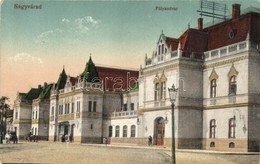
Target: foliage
[4, 106]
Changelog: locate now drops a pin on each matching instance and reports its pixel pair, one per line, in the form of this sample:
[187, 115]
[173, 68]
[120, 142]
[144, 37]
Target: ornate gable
[163, 77]
[156, 79]
[232, 71]
[213, 75]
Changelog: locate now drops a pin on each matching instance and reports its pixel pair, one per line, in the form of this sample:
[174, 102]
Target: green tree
[4, 108]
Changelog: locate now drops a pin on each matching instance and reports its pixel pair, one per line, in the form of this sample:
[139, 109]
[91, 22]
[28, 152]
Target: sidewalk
[168, 150]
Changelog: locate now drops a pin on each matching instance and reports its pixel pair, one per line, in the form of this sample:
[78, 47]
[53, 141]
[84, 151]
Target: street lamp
[172, 94]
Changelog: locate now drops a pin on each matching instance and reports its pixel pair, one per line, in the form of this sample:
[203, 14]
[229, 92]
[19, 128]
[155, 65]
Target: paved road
[76, 153]
[48, 152]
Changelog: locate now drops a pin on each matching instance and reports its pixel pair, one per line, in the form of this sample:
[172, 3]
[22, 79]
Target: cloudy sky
[37, 43]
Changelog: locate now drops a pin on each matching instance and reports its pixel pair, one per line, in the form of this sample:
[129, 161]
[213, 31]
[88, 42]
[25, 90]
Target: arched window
[156, 91]
[117, 131]
[124, 131]
[133, 131]
[162, 48]
[232, 128]
[213, 88]
[110, 131]
[231, 145]
[232, 85]
[212, 144]
[212, 128]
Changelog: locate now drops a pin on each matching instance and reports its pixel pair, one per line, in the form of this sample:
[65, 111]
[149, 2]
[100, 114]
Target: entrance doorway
[159, 129]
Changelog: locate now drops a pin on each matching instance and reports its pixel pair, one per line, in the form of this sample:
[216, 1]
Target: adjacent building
[79, 105]
[31, 112]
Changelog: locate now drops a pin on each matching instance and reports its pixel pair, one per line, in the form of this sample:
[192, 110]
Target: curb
[165, 149]
[177, 150]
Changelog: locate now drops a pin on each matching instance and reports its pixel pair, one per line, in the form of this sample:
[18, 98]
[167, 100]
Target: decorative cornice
[181, 63]
[229, 61]
[226, 106]
[90, 91]
[182, 107]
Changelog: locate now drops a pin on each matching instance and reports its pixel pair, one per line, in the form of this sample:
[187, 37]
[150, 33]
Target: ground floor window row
[125, 131]
[231, 128]
[230, 145]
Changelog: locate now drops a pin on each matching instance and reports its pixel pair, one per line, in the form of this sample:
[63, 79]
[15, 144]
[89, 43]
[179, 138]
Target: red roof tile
[172, 42]
[73, 80]
[193, 40]
[117, 79]
[221, 34]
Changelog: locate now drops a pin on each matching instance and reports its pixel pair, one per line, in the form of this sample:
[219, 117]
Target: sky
[37, 43]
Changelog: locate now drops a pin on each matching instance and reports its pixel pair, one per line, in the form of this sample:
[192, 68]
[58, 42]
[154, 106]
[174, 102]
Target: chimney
[45, 84]
[200, 23]
[235, 11]
[39, 86]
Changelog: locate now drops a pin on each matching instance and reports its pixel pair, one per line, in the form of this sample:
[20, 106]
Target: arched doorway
[159, 131]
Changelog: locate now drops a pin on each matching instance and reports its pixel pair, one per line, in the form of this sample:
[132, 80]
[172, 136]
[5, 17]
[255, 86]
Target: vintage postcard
[128, 81]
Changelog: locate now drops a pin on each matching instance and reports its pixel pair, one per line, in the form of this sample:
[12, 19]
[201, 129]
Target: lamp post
[172, 94]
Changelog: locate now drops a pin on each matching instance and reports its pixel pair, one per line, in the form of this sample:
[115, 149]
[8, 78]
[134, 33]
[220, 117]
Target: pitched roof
[22, 95]
[90, 73]
[33, 93]
[62, 80]
[45, 94]
[193, 40]
[172, 42]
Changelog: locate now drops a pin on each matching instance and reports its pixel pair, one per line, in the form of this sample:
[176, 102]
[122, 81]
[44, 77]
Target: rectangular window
[36, 114]
[125, 107]
[65, 111]
[125, 131]
[89, 106]
[68, 109]
[117, 131]
[156, 91]
[61, 110]
[163, 91]
[94, 106]
[16, 114]
[132, 106]
[72, 107]
[78, 106]
[133, 131]
[52, 110]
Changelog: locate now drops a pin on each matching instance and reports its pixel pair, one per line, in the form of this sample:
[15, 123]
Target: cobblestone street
[48, 152]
